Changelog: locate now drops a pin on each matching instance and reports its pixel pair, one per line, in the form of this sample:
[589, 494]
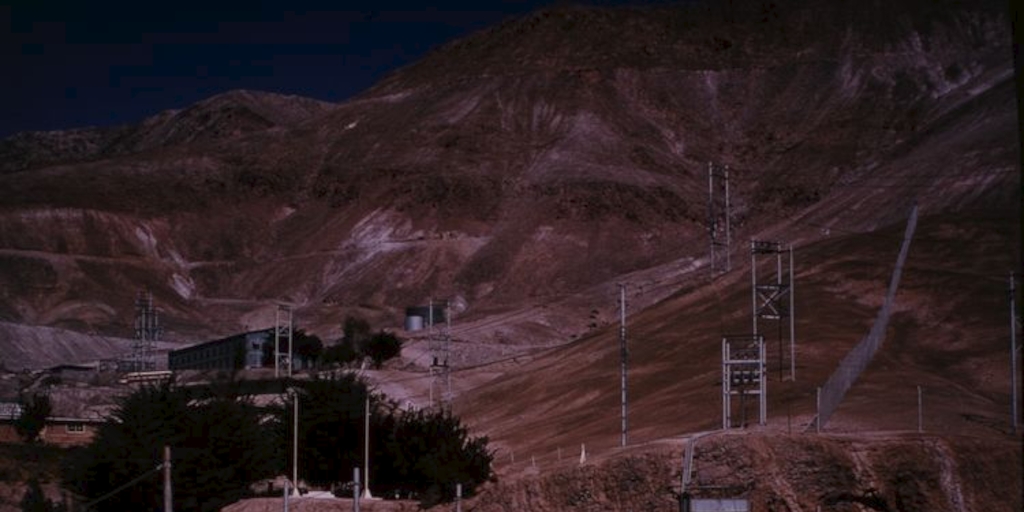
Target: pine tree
[34, 411]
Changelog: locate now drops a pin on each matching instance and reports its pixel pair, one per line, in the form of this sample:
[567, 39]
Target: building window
[75, 428]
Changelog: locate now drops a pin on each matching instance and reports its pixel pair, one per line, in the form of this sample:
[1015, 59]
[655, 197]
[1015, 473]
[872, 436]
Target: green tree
[218, 442]
[382, 347]
[360, 341]
[308, 347]
[34, 411]
[433, 451]
[330, 427]
[422, 452]
[34, 500]
[356, 331]
[341, 353]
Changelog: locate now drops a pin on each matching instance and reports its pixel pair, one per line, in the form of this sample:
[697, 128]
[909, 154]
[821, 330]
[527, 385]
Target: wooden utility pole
[355, 489]
[168, 501]
[366, 449]
[1013, 354]
[920, 411]
[295, 443]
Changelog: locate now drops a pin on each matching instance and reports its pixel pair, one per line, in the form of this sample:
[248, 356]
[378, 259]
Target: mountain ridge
[526, 197]
[511, 157]
[224, 115]
[505, 190]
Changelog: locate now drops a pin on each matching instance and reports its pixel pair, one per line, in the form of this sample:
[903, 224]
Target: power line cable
[123, 487]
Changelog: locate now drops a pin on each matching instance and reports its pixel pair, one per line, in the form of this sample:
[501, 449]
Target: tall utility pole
[366, 450]
[719, 218]
[624, 356]
[295, 442]
[283, 332]
[792, 315]
[1013, 353]
[447, 353]
[432, 346]
[920, 411]
[355, 489]
[168, 501]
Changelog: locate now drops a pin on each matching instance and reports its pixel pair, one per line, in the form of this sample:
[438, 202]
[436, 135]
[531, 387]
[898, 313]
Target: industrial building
[240, 351]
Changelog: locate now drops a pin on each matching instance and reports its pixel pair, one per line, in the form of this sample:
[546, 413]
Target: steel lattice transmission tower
[773, 296]
[743, 373]
[147, 332]
[440, 341]
[283, 323]
[719, 218]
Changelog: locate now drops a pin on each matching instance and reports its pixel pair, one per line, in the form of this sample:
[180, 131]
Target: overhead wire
[130, 483]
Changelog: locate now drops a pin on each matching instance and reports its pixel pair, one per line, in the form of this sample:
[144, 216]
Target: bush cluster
[218, 445]
[222, 444]
[359, 342]
[34, 411]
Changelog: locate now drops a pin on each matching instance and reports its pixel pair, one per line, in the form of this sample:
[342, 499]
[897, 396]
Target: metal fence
[832, 393]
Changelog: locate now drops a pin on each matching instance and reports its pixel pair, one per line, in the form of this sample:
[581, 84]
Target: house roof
[10, 410]
[222, 340]
[84, 403]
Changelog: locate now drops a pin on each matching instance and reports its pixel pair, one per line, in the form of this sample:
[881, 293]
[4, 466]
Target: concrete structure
[719, 505]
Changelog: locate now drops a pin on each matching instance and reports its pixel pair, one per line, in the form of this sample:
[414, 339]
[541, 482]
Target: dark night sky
[83, 63]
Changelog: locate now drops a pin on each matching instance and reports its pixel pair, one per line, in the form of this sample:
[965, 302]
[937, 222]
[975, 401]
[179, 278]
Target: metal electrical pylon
[147, 332]
[283, 333]
[743, 373]
[440, 351]
[772, 296]
[719, 218]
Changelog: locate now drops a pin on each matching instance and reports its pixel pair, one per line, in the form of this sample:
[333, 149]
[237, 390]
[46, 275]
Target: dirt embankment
[889, 473]
[319, 505]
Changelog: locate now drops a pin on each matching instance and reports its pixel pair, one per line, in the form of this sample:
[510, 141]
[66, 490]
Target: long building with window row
[240, 351]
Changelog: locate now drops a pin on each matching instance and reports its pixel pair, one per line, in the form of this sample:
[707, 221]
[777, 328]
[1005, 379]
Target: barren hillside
[526, 170]
[505, 182]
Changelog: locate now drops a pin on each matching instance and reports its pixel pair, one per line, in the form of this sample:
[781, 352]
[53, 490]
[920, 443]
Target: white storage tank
[413, 323]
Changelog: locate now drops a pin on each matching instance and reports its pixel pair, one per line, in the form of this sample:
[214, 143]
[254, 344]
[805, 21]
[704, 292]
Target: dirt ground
[320, 505]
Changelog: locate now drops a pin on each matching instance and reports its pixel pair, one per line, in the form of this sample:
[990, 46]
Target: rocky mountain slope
[505, 170]
[225, 116]
[775, 473]
[524, 171]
